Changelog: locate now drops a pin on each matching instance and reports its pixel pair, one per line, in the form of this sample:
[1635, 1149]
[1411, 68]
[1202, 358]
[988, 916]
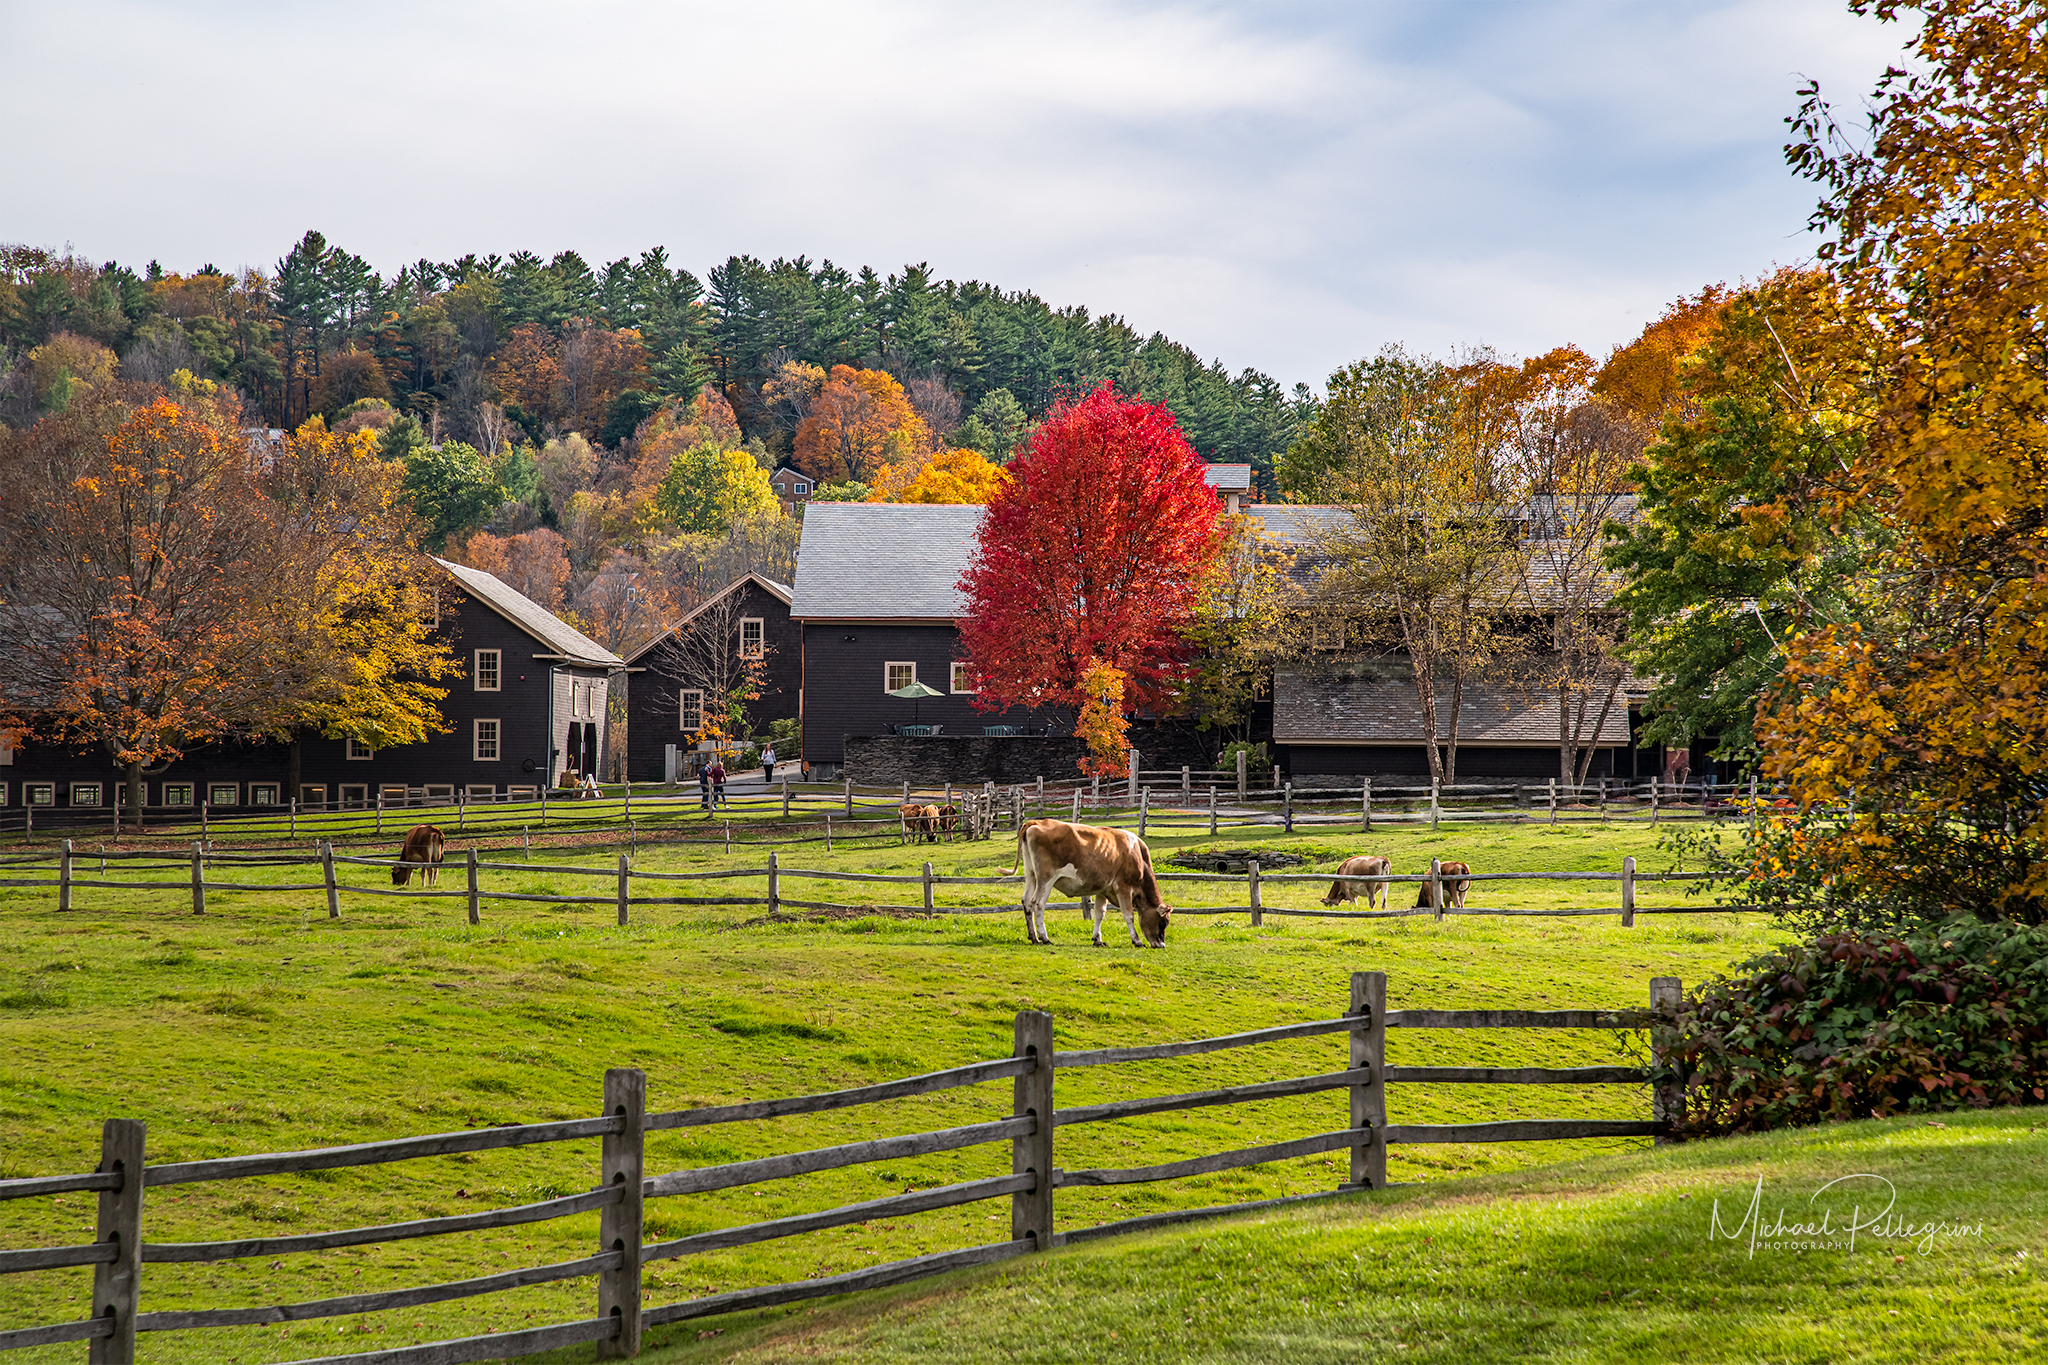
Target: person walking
[718, 783]
[704, 785]
[768, 763]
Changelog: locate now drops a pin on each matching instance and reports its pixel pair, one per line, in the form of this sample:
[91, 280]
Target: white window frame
[357, 792]
[689, 700]
[355, 751]
[3, 793]
[39, 793]
[592, 692]
[890, 664]
[274, 788]
[496, 658]
[312, 796]
[98, 790]
[480, 791]
[963, 673]
[186, 787]
[760, 625]
[481, 741]
[233, 789]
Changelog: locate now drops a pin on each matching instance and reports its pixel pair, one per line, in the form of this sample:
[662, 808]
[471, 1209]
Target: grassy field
[1611, 1259]
[265, 1026]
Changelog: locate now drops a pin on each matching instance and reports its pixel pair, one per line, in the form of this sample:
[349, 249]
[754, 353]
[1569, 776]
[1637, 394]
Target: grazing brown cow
[1453, 876]
[422, 845]
[1362, 865]
[1085, 861]
[949, 822]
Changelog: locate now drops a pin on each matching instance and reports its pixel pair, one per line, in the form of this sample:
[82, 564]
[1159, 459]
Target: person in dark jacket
[718, 783]
[704, 786]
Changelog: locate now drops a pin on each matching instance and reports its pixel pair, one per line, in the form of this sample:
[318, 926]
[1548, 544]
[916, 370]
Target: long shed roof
[1374, 702]
[530, 616]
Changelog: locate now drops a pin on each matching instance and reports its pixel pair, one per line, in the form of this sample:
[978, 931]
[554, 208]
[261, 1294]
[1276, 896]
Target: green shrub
[1847, 1026]
[1255, 759]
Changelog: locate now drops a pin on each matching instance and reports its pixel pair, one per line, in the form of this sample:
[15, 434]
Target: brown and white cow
[422, 845]
[1453, 876]
[920, 823]
[1361, 865]
[1090, 862]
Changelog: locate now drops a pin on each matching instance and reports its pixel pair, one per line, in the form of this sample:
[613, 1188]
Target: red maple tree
[1095, 552]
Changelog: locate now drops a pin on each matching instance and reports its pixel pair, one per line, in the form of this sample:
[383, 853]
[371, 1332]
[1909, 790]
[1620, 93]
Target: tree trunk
[1425, 696]
[1457, 706]
[292, 769]
[133, 783]
[1606, 706]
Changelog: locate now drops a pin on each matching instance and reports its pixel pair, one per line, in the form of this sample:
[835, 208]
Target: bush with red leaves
[1848, 1027]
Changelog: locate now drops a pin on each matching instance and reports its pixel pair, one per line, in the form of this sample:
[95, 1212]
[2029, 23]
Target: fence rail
[1438, 894]
[120, 1248]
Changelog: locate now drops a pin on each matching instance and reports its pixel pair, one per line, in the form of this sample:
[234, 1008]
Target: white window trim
[760, 625]
[910, 664]
[355, 751]
[959, 668]
[164, 791]
[476, 740]
[99, 787]
[497, 683]
[236, 787]
[47, 790]
[308, 797]
[683, 709]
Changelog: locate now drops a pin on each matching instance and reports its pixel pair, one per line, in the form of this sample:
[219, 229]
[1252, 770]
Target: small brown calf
[1453, 877]
[422, 845]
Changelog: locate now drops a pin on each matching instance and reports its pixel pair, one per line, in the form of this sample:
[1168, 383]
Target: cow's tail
[1020, 849]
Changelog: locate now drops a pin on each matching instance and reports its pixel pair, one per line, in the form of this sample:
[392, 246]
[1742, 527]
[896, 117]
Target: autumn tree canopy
[1093, 554]
[859, 422]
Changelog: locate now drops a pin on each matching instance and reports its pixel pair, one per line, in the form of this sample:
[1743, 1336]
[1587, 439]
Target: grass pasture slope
[265, 1026]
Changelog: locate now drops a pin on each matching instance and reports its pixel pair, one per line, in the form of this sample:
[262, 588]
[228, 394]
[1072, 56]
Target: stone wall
[967, 760]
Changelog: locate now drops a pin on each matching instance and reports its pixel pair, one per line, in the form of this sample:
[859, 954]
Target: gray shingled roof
[530, 616]
[886, 561]
[1229, 478]
[1375, 703]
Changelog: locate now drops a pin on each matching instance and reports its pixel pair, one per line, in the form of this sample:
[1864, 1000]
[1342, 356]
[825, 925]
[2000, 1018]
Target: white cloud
[1285, 187]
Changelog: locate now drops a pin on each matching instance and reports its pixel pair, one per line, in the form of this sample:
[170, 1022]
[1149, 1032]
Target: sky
[1280, 186]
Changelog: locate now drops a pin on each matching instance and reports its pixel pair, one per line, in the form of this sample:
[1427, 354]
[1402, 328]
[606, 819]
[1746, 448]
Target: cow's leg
[1038, 913]
[1126, 899]
[1095, 907]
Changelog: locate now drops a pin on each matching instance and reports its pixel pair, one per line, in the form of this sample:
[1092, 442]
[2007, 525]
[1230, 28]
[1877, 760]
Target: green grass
[1611, 1259]
[265, 1026]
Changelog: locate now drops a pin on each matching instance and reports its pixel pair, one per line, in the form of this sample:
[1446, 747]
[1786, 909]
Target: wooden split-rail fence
[198, 879]
[622, 1187]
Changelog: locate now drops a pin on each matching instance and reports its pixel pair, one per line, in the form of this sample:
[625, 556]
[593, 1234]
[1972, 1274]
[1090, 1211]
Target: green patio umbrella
[916, 692]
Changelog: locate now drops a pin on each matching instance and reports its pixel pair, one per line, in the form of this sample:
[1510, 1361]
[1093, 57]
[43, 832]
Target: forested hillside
[486, 347]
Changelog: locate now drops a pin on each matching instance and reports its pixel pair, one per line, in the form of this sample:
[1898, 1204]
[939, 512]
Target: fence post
[927, 888]
[619, 1226]
[1369, 1099]
[728, 836]
[1552, 784]
[1667, 1100]
[1074, 816]
[204, 804]
[1240, 776]
[785, 800]
[1186, 785]
[849, 798]
[1752, 810]
[774, 883]
[1212, 810]
[474, 916]
[1041, 793]
[828, 831]
[116, 1283]
[1628, 893]
[1095, 793]
[461, 812]
[1031, 1094]
[380, 808]
[1436, 885]
[1365, 815]
[295, 817]
[64, 877]
[526, 841]
[1433, 787]
[1287, 809]
[906, 790]
[327, 875]
[1132, 792]
[1252, 885]
[1653, 800]
[1603, 797]
[1144, 808]
[198, 880]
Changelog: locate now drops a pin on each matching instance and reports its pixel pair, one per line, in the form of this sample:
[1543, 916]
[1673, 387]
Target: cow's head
[1152, 921]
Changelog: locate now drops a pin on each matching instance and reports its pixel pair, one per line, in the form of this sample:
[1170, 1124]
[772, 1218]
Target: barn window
[752, 631]
[898, 675]
[312, 796]
[263, 794]
[359, 752]
[177, 793]
[486, 750]
[223, 794]
[85, 793]
[963, 678]
[487, 671]
[39, 793]
[693, 710]
[355, 795]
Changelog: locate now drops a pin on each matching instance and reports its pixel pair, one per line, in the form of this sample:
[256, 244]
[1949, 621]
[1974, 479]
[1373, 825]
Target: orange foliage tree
[859, 422]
